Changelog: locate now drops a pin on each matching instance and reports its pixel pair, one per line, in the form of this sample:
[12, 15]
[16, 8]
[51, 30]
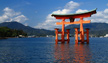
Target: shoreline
[7, 37]
[3, 38]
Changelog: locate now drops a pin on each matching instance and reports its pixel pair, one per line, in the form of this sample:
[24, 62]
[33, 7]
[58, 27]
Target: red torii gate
[72, 17]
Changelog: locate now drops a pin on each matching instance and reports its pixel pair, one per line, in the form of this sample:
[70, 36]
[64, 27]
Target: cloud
[50, 22]
[81, 11]
[20, 18]
[70, 6]
[26, 24]
[10, 15]
[106, 11]
[100, 16]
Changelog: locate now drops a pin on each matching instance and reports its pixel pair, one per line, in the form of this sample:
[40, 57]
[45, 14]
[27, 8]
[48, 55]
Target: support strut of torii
[72, 18]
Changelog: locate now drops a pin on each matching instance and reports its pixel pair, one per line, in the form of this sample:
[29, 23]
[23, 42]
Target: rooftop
[75, 15]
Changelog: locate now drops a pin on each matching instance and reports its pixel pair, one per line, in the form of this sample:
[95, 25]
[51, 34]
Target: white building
[106, 35]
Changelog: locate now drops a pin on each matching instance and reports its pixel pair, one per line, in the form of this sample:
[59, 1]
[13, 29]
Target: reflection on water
[78, 53]
[43, 50]
[82, 53]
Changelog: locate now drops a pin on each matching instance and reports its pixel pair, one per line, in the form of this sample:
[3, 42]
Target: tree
[7, 32]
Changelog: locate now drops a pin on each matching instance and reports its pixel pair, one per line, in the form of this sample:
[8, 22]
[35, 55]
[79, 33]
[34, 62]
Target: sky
[37, 13]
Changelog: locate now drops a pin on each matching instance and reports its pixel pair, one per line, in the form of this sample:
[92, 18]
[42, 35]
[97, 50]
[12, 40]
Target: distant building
[59, 35]
[106, 35]
[32, 36]
[21, 36]
[101, 36]
[49, 36]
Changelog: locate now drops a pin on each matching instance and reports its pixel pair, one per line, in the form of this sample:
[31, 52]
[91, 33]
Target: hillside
[29, 30]
[7, 32]
[96, 29]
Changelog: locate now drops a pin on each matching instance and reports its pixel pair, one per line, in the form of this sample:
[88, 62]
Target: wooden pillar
[76, 35]
[68, 35]
[63, 31]
[87, 33]
[56, 33]
[81, 30]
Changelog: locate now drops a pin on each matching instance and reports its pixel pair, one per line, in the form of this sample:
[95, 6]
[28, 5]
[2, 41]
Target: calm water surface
[44, 50]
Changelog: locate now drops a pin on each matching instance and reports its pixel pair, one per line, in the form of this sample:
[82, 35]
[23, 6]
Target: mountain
[29, 30]
[96, 29]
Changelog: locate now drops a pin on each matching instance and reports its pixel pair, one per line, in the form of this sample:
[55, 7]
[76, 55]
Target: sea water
[44, 50]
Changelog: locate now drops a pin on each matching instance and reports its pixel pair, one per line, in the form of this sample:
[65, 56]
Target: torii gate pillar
[81, 30]
[62, 33]
[63, 29]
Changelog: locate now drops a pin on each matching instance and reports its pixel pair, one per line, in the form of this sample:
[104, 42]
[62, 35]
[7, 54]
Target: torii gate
[72, 17]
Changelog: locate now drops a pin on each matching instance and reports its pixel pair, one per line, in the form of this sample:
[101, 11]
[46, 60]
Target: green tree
[7, 32]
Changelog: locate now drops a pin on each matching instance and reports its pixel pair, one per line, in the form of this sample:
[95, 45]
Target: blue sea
[44, 50]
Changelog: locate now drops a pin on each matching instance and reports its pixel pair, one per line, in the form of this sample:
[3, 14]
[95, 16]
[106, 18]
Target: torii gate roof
[75, 15]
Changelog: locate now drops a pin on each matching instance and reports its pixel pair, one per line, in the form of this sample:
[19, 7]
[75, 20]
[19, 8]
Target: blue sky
[36, 13]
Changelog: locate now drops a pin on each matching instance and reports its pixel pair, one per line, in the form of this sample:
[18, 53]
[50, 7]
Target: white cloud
[70, 6]
[100, 16]
[106, 11]
[50, 22]
[107, 4]
[10, 15]
[81, 11]
[20, 18]
[26, 24]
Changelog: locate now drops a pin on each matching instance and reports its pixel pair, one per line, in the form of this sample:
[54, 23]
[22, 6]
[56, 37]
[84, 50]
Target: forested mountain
[7, 32]
[27, 29]
[96, 29]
